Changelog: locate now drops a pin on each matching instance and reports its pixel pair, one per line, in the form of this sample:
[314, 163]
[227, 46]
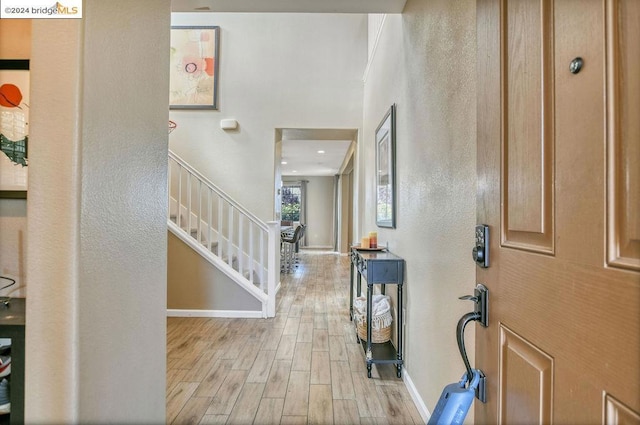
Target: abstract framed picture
[194, 67]
[14, 127]
[385, 170]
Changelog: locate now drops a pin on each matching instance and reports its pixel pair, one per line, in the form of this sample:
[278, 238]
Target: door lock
[480, 300]
[480, 314]
[480, 251]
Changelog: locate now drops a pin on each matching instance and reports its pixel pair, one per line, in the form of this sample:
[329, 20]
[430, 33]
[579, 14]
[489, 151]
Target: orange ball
[10, 96]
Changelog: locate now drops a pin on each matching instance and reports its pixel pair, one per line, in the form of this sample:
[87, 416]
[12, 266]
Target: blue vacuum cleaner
[455, 401]
[456, 398]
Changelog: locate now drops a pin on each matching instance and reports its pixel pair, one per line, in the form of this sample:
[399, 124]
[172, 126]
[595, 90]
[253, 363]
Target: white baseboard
[422, 408]
[247, 314]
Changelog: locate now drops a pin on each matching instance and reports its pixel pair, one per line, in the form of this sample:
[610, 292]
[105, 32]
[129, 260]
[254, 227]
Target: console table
[12, 322]
[378, 268]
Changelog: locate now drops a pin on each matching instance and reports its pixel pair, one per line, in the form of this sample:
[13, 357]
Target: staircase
[225, 233]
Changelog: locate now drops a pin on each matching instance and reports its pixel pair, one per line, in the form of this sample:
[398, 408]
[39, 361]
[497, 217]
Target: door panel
[617, 413]
[524, 370]
[527, 90]
[623, 110]
[563, 342]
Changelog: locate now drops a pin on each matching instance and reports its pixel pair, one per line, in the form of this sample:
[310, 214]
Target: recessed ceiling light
[284, 163]
[320, 151]
[294, 171]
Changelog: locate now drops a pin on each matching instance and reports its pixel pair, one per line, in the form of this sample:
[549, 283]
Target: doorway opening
[310, 164]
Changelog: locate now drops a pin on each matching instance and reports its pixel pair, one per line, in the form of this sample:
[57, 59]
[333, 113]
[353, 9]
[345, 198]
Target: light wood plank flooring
[302, 367]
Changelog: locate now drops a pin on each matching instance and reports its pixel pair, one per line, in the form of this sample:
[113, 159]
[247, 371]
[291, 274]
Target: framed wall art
[14, 127]
[194, 67]
[385, 170]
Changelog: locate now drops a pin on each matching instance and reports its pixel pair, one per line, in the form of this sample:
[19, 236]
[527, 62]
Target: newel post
[273, 262]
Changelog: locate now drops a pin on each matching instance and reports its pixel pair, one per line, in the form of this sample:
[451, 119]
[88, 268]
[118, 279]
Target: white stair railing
[224, 232]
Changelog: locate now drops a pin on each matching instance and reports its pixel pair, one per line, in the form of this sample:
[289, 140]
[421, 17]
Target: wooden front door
[559, 186]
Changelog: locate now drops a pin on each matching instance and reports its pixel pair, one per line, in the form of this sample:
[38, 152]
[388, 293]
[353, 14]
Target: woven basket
[377, 335]
[381, 329]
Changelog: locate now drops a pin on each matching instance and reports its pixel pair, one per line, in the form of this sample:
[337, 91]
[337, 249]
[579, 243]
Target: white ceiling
[303, 6]
[303, 159]
[300, 148]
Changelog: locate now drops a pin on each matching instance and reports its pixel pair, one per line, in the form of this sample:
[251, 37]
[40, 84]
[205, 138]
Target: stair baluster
[231, 248]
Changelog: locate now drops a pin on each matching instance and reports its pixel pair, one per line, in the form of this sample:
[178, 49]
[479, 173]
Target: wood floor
[302, 367]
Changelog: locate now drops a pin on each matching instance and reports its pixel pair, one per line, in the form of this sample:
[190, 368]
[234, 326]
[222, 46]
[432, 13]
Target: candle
[373, 239]
[364, 243]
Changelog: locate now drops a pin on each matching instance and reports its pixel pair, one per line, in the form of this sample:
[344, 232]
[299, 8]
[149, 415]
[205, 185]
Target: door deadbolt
[480, 251]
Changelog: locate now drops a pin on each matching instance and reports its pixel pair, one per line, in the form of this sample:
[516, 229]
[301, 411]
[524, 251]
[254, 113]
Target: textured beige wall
[15, 43]
[195, 284]
[425, 63]
[96, 325]
[52, 300]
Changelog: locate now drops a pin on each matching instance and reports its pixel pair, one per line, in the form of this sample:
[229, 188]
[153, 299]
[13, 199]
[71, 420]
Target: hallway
[303, 366]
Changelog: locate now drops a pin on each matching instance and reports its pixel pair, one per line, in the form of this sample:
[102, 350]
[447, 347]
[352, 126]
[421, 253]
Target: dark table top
[14, 313]
[376, 255]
